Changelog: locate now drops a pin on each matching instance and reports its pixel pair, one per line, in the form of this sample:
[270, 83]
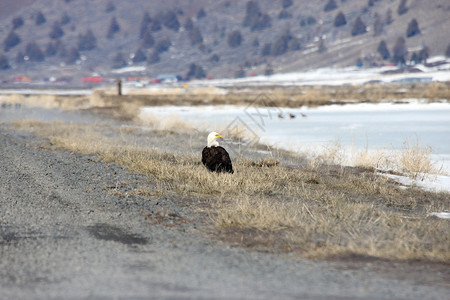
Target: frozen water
[360, 126]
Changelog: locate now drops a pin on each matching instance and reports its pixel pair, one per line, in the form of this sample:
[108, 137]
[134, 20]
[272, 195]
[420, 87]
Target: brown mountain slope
[292, 40]
[11, 7]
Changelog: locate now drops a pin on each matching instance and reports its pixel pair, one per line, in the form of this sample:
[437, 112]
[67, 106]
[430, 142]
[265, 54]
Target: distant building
[94, 79]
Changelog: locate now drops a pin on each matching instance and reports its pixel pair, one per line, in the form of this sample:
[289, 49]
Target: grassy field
[318, 209]
[126, 107]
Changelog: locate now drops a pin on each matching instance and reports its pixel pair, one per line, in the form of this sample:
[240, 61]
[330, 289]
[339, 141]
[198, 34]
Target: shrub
[214, 58]
[17, 22]
[40, 19]
[377, 25]
[286, 3]
[195, 36]
[284, 43]
[294, 44]
[252, 11]
[402, 9]
[240, 73]
[268, 70]
[65, 19]
[87, 41]
[400, 51]
[156, 24]
[201, 13]
[188, 25]
[139, 56]
[11, 41]
[56, 31]
[113, 28]
[234, 39]
[266, 49]
[195, 71]
[145, 22]
[383, 50]
[254, 18]
[163, 45]
[340, 19]
[62, 51]
[52, 48]
[310, 20]
[19, 59]
[153, 57]
[4, 63]
[119, 61]
[415, 160]
[147, 40]
[170, 20]
[389, 18]
[284, 14]
[358, 27]
[280, 46]
[33, 52]
[424, 54]
[110, 7]
[447, 52]
[331, 5]
[72, 56]
[413, 28]
[415, 59]
[261, 23]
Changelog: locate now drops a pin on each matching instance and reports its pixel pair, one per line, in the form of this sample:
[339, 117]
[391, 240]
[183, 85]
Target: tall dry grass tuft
[316, 211]
[333, 153]
[172, 122]
[415, 160]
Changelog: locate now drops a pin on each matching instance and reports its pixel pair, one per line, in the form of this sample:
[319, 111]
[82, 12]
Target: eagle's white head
[212, 139]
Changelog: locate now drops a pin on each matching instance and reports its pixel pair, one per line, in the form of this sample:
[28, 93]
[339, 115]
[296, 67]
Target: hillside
[198, 38]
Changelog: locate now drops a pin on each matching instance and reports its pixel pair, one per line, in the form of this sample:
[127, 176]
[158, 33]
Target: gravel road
[69, 229]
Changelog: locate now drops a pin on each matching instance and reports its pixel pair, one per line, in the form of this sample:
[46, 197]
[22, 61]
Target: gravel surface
[70, 228]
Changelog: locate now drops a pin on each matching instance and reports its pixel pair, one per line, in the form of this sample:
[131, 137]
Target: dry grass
[319, 212]
[295, 96]
[286, 96]
[127, 106]
[412, 160]
[415, 160]
[172, 122]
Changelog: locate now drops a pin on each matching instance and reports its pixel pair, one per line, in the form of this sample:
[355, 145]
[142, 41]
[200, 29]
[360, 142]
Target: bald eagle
[214, 157]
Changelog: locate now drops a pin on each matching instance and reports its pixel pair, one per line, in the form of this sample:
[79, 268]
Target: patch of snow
[341, 76]
[441, 215]
[436, 59]
[129, 69]
[432, 183]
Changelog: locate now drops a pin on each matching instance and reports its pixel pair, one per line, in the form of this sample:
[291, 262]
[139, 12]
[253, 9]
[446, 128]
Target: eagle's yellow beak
[219, 136]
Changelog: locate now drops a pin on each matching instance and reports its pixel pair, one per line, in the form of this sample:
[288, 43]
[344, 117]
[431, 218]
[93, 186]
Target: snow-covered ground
[334, 77]
[433, 183]
[343, 76]
[351, 130]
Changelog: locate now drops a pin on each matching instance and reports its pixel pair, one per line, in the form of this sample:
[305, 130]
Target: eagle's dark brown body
[216, 159]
